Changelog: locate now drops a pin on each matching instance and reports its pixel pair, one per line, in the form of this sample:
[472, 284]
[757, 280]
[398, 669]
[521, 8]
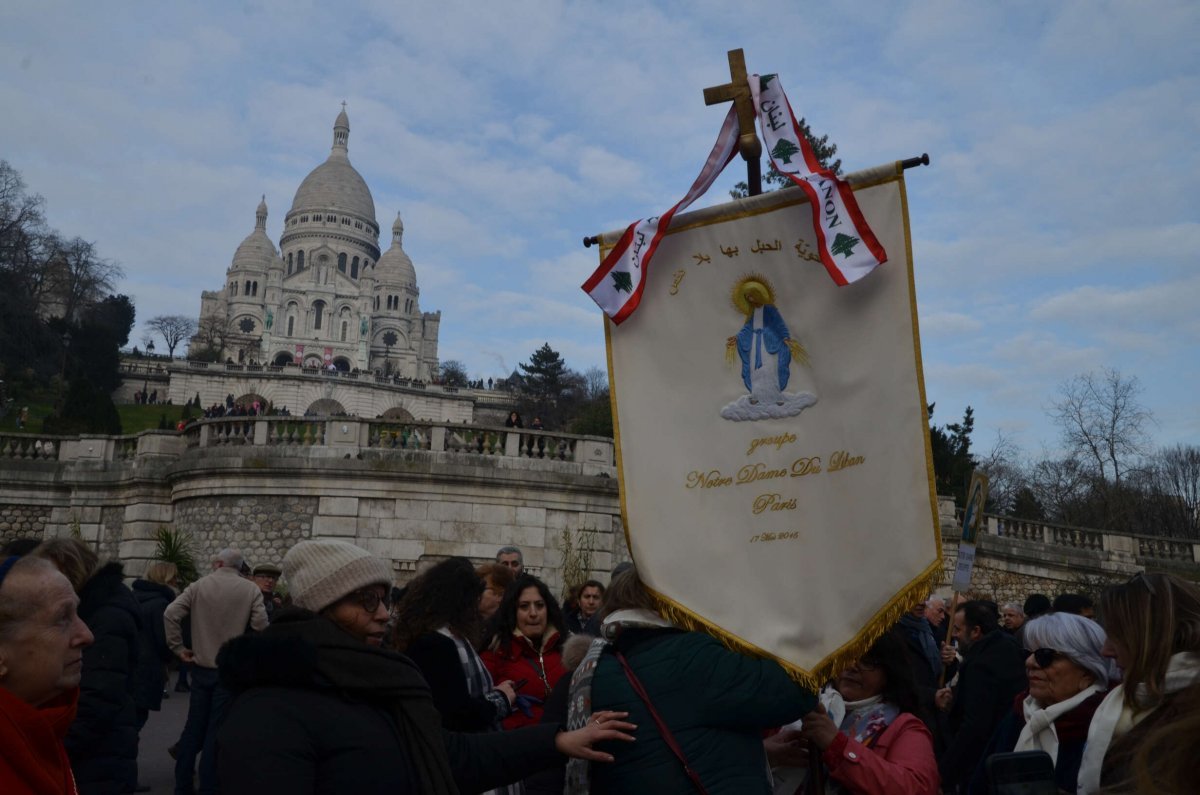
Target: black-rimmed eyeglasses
[369, 599]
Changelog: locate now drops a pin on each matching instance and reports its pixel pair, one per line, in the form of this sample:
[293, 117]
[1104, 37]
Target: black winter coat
[103, 741]
[992, 674]
[153, 654]
[326, 738]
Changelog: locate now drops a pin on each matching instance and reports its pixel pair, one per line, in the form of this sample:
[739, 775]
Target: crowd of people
[476, 679]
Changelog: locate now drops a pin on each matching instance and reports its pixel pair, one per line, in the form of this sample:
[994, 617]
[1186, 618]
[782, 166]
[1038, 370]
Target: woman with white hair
[1068, 675]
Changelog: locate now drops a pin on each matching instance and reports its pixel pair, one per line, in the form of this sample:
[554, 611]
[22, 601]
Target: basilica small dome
[256, 252]
[395, 267]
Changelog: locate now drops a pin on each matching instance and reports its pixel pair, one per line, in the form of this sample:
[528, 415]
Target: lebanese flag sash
[848, 247]
[617, 284]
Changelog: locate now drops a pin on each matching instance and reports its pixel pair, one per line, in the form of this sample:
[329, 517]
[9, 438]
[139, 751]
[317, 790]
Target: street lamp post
[62, 373]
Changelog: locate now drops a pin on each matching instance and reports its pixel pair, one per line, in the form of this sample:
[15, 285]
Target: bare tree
[1005, 477]
[213, 331]
[1060, 486]
[174, 329]
[453, 373]
[596, 381]
[1103, 422]
[1176, 481]
[79, 277]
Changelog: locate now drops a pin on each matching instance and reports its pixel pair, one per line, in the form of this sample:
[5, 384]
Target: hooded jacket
[153, 654]
[103, 741]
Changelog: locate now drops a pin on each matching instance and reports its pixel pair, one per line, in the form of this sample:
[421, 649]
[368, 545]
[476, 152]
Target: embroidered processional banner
[772, 437]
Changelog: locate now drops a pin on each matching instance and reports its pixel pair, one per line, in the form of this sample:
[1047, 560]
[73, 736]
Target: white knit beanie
[322, 571]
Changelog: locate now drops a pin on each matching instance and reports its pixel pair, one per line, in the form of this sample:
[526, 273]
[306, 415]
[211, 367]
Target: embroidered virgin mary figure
[766, 349]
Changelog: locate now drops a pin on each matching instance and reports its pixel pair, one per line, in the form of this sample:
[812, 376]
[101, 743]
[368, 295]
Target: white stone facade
[326, 296]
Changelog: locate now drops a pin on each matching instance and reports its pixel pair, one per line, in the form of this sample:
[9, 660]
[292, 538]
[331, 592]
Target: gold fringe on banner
[833, 664]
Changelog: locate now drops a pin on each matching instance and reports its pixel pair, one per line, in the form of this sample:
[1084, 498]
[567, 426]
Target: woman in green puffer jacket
[715, 702]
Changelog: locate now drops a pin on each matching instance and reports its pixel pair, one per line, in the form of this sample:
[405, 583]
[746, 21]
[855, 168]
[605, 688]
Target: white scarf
[1039, 733]
[786, 780]
[1113, 718]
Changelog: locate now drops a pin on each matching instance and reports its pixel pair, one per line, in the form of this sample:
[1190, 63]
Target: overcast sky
[1056, 231]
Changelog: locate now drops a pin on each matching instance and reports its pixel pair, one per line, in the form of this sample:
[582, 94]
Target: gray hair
[230, 558]
[16, 607]
[508, 551]
[1014, 606]
[1079, 638]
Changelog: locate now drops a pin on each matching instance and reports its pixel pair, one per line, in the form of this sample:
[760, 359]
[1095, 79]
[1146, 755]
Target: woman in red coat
[879, 745]
[527, 645]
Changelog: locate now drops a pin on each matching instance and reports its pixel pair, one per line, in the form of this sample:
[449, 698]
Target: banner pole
[949, 633]
[911, 162]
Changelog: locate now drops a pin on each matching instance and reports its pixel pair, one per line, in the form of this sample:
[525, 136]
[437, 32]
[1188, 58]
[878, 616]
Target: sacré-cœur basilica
[327, 297]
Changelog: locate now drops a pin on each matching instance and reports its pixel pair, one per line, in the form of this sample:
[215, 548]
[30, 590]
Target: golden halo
[752, 290]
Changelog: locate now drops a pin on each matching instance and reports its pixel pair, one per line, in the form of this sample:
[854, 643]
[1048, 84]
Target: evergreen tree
[545, 375]
[952, 459]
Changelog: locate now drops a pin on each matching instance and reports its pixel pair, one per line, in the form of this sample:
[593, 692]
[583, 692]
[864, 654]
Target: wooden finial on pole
[737, 90]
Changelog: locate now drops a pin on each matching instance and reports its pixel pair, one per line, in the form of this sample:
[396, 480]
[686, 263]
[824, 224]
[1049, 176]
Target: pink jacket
[901, 762]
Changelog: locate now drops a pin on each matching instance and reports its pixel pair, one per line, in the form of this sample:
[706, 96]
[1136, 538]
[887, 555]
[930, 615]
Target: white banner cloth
[776, 480]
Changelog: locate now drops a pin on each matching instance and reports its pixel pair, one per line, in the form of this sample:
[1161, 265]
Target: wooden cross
[737, 90]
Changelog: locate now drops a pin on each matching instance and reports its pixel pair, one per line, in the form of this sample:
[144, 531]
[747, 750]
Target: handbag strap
[668, 738]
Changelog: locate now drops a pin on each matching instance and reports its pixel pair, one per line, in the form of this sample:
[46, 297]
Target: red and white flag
[617, 284]
[849, 249]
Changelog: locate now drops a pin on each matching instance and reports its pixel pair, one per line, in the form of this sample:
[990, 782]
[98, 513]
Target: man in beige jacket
[221, 606]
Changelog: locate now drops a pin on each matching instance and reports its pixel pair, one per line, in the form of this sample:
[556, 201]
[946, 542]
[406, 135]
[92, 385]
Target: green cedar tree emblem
[784, 150]
[843, 244]
[622, 281]
[763, 80]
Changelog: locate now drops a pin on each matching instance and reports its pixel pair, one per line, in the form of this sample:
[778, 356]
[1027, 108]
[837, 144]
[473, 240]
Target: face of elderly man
[42, 656]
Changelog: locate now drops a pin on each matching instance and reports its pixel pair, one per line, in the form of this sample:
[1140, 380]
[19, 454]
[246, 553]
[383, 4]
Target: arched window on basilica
[342, 263]
[354, 268]
[300, 260]
[318, 309]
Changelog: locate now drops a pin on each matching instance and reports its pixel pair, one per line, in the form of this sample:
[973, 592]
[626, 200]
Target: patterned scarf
[579, 708]
[479, 679]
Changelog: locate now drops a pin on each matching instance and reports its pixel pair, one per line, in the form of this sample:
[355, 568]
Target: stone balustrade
[338, 433]
[1120, 546]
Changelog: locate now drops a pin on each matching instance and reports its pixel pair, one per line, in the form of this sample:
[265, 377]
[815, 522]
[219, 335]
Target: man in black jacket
[991, 675]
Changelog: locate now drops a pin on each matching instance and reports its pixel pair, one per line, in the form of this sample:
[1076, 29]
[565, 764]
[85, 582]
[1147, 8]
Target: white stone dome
[394, 266]
[336, 185]
[256, 252]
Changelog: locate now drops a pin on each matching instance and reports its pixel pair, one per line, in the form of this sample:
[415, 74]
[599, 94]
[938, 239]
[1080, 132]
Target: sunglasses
[1045, 657]
[369, 600]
